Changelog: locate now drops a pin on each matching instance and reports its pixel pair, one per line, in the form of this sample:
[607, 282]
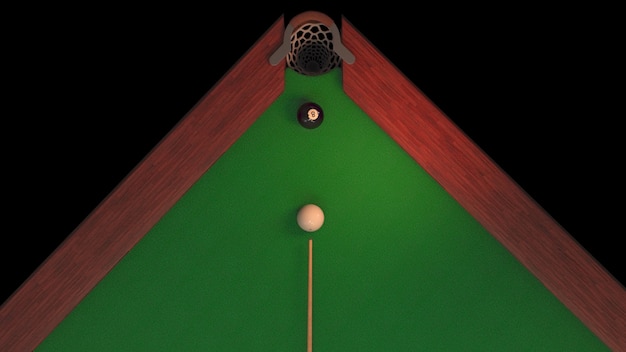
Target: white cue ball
[310, 217]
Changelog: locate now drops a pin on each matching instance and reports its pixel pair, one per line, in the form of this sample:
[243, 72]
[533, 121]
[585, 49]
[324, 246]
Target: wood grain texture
[144, 196]
[484, 190]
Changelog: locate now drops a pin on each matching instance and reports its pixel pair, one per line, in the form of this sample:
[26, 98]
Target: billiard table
[426, 243]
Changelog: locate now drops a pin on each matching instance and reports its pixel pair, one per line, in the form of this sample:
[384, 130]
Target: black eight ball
[310, 115]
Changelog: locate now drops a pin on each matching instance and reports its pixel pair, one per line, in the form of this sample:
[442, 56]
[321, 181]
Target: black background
[90, 90]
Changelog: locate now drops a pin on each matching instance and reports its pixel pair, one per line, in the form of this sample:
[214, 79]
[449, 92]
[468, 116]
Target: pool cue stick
[309, 341]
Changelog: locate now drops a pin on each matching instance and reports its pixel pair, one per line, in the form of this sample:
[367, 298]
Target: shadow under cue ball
[310, 115]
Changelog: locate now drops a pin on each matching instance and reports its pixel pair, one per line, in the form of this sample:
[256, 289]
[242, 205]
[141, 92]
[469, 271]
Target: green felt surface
[398, 264]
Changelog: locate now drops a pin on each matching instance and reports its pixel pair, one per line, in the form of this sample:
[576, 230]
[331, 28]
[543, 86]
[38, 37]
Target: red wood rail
[143, 197]
[484, 190]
